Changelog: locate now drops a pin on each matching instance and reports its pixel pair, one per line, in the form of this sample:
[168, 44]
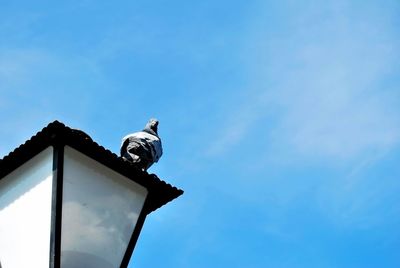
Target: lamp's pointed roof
[57, 134]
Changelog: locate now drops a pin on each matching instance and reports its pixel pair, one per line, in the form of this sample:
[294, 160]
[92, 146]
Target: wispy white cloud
[339, 104]
[325, 93]
[330, 96]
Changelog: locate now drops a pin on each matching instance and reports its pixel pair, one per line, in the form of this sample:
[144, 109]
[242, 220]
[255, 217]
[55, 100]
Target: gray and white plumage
[143, 148]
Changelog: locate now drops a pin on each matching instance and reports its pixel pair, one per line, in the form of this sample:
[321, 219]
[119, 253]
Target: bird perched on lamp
[143, 148]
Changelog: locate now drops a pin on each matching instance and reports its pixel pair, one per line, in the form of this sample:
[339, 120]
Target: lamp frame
[57, 135]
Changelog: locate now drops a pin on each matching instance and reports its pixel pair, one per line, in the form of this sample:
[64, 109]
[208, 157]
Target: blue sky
[279, 119]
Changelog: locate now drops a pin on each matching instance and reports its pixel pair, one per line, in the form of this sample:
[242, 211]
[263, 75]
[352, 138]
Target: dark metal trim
[135, 234]
[56, 206]
[58, 133]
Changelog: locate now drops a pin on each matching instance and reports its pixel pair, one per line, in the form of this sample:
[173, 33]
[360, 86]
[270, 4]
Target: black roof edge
[56, 133]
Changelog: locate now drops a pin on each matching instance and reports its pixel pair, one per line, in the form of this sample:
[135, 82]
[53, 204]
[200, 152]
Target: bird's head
[153, 125]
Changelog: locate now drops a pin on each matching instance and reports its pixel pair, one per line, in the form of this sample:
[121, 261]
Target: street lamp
[67, 202]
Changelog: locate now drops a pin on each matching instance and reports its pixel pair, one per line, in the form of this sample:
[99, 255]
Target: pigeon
[142, 148]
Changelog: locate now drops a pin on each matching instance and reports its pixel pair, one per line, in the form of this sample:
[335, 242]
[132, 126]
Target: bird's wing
[157, 150]
[148, 142]
[125, 140]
